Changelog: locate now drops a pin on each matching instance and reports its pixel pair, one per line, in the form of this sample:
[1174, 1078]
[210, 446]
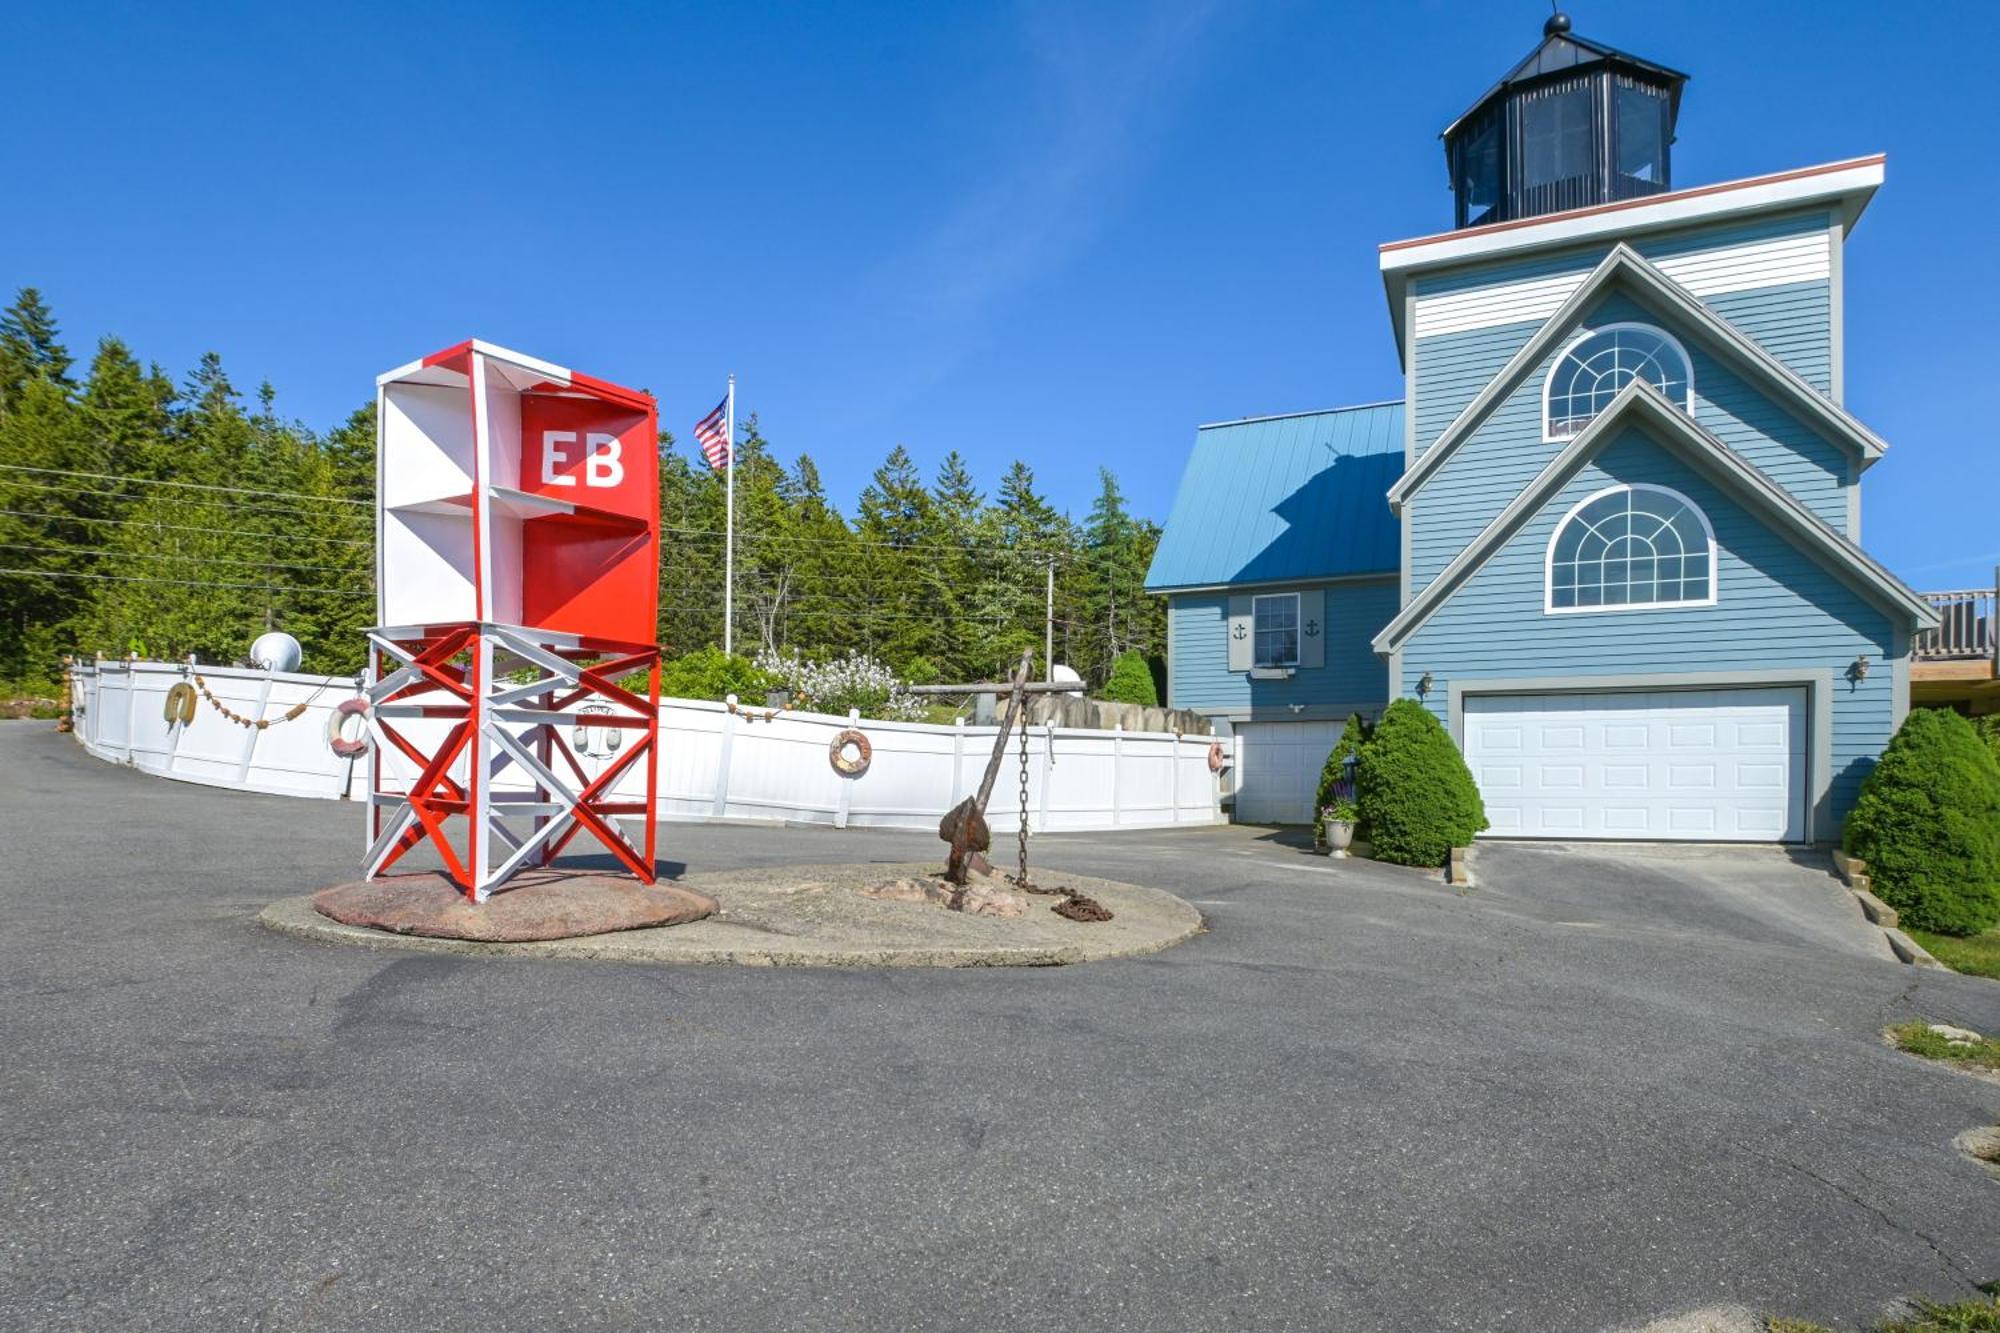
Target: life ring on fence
[1216, 757]
[336, 728]
[180, 704]
[863, 753]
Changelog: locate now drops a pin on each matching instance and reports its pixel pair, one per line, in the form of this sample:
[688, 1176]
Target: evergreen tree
[895, 525]
[30, 349]
[135, 513]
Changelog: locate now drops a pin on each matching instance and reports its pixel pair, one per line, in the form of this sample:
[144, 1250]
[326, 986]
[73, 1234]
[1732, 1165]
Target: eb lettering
[600, 458]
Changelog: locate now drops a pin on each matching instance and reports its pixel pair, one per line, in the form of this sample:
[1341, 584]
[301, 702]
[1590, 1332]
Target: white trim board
[1776, 262]
[1848, 185]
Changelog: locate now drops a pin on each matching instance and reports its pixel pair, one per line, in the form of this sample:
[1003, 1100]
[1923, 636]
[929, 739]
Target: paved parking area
[1362, 1101]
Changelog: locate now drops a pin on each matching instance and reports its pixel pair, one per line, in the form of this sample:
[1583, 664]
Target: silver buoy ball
[276, 651]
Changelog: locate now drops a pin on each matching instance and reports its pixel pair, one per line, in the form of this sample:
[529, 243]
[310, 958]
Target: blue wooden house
[1611, 534]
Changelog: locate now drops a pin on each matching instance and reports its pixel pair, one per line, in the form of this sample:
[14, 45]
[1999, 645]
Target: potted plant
[1337, 819]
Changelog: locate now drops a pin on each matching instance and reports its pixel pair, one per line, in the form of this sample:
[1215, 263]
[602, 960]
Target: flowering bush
[842, 683]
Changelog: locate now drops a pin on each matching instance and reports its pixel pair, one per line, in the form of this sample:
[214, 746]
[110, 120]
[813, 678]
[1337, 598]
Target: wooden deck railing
[1968, 628]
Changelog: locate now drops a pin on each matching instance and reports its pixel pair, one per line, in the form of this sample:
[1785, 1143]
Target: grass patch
[1980, 1316]
[42, 710]
[1976, 955]
[1918, 1039]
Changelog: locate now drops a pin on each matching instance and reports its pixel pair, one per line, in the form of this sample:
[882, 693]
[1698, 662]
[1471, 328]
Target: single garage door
[1695, 765]
[1278, 775]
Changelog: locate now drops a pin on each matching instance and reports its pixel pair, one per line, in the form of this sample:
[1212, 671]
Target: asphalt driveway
[1769, 895]
[1563, 1101]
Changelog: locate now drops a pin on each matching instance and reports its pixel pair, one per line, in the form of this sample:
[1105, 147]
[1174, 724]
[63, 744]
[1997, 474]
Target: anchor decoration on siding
[1237, 631]
[1312, 629]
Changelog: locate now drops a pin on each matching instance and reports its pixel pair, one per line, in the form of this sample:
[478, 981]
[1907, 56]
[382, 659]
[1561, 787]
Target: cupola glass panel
[1642, 138]
[1575, 124]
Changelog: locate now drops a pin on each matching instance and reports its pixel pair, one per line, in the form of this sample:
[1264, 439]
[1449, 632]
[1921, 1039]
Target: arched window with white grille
[1629, 547]
[1591, 371]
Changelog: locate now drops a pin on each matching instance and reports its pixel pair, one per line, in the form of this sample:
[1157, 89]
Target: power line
[239, 507]
[185, 485]
[182, 583]
[170, 527]
[172, 555]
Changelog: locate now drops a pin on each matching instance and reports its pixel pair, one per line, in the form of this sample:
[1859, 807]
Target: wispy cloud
[1103, 96]
[1097, 99]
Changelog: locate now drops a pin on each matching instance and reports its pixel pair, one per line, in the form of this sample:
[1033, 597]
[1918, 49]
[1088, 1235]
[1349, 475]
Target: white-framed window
[1631, 547]
[1593, 368]
[1274, 630]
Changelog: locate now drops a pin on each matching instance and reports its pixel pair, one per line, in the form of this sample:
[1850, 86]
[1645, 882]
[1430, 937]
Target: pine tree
[30, 349]
[895, 525]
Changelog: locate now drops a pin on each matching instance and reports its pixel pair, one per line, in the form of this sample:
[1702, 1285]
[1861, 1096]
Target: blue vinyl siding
[1793, 322]
[1353, 677]
[1776, 607]
[1507, 451]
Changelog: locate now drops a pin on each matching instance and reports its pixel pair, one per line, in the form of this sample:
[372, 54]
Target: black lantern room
[1575, 124]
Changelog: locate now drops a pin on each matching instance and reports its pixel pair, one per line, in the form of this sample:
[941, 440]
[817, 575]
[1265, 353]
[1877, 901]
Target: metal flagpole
[729, 536]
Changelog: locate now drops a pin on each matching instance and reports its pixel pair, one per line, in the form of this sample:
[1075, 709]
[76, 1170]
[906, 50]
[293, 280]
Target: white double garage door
[1719, 765]
[1712, 765]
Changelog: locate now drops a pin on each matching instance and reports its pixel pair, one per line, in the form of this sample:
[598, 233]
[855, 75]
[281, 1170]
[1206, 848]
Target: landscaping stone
[986, 899]
[1957, 1036]
[982, 897]
[537, 905]
[908, 890]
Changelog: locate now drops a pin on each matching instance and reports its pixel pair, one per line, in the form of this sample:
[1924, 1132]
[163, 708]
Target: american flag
[713, 435]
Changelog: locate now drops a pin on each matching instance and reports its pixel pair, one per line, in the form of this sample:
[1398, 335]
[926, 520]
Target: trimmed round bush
[1131, 681]
[1927, 822]
[1352, 738]
[1417, 797]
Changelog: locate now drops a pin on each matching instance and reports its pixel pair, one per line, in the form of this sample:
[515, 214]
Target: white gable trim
[1640, 403]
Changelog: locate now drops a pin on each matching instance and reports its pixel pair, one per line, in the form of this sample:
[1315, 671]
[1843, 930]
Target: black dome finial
[1558, 22]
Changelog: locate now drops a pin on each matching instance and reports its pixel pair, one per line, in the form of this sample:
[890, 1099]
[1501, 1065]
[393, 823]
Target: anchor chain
[1021, 880]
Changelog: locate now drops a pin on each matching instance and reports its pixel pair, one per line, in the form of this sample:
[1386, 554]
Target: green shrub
[710, 673]
[1418, 799]
[1927, 822]
[1131, 682]
[921, 671]
[1353, 737]
[1988, 728]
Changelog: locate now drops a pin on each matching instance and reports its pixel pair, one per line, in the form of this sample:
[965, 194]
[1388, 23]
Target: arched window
[1632, 546]
[1589, 374]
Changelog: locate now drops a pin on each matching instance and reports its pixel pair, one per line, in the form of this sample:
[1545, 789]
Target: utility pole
[1049, 625]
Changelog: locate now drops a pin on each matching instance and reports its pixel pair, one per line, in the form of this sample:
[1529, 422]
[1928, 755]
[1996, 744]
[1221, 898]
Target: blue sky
[1066, 233]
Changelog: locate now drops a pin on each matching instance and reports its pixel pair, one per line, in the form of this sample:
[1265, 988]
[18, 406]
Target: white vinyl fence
[714, 763]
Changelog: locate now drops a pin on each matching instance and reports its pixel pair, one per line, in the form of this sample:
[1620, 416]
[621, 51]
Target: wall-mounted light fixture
[1859, 669]
[1424, 685]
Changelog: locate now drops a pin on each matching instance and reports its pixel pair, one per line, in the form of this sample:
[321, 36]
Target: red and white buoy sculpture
[517, 575]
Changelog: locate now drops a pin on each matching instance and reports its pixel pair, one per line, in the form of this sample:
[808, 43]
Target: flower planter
[1338, 836]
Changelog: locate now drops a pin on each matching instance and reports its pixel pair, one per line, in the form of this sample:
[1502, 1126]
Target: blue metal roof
[1287, 498]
